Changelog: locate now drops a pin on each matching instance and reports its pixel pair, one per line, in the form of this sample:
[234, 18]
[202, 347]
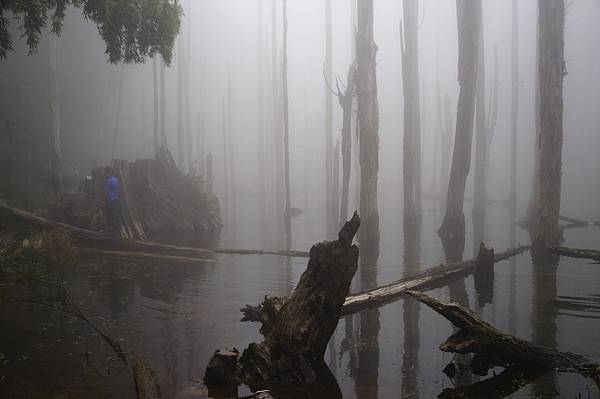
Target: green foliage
[133, 30]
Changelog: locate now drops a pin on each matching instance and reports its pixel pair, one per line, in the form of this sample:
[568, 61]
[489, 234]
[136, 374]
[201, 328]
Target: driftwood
[431, 278]
[13, 219]
[496, 348]
[296, 329]
[581, 253]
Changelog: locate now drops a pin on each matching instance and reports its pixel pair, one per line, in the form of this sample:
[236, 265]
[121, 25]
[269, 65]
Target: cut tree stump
[497, 348]
[297, 329]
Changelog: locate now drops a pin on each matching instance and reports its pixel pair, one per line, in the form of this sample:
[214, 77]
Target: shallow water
[175, 316]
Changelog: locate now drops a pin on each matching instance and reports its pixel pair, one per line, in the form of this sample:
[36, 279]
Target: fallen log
[497, 348]
[146, 384]
[580, 253]
[431, 278]
[14, 219]
[296, 329]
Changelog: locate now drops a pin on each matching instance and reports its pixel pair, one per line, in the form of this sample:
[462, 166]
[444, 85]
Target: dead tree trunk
[409, 41]
[336, 181]
[163, 106]
[260, 127]
[296, 329]
[189, 147]
[346, 99]
[156, 102]
[545, 202]
[180, 106]
[279, 196]
[514, 119]
[286, 136]
[330, 205]
[231, 159]
[445, 131]
[580, 253]
[115, 139]
[368, 120]
[56, 174]
[452, 230]
[497, 348]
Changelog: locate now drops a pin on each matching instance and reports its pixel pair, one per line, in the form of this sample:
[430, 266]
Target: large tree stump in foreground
[496, 348]
[297, 329]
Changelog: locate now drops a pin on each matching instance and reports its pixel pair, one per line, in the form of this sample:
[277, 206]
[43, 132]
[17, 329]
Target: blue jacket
[112, 189]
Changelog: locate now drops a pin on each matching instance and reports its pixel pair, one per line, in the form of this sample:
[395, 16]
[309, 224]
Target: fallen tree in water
[496, 348]
[13, 219]
[431, 278]
[580, 253]
[296, 329]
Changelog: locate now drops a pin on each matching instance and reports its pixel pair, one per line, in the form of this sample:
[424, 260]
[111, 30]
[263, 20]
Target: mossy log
[497, 348]
[297, 329]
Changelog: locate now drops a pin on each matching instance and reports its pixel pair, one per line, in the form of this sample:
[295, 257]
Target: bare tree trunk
[481, 153]
[368, 119]
[445, 131]
[155, 85]
[226, 174]
[210, 179]
[545, 207]
[452, 230]
[336, 179]
[163, 106]
[118, 116]
[286, 135]
[514, 119]
[260, 126]
[231, 158]
[277, 133]
[180, 105]
[186, 90]
[54, 106]
[346, 101]
[409, 38]
[331, 215]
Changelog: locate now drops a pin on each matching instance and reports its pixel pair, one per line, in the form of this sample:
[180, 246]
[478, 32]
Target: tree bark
[452, 230]
[545, 202]
[368, 120]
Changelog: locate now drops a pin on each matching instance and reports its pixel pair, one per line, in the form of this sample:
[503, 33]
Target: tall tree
[163, 106]
[277, 132]
[54, 107]
[452, 230]
[286, 134]
[232, 178]
[260, 125]
[330, 205]
[186, 89]
[181, 161]
[156, 102]
[346, 99]
[118, 114]
[514, 119]
[545, 202]
[368, 120]
[409, 40]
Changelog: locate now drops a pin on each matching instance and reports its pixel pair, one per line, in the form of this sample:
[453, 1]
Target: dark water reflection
[175, 316]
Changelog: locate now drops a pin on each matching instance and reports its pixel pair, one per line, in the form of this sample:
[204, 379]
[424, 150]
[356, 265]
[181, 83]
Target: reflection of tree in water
[367, 372]
[543, 316]
[410, 310]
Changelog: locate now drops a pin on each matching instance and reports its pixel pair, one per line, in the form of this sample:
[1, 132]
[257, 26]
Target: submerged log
[13, 219]
[146, 384]
[431, 278]
[498, 348]
[297, 329]
[580, 253]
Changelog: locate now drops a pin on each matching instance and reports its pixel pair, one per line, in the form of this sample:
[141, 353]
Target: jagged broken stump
[296, 329]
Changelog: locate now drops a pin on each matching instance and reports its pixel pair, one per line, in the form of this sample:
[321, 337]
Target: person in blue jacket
[112, 195]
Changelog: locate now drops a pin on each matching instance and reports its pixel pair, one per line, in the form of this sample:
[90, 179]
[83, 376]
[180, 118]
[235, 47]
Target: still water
[175, 316]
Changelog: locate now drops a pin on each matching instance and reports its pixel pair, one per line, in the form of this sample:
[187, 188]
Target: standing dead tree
[452, 230]
[296, 329]
[368, 124]
[54, 108]
[409, 42]
[514, 119]
[330, 205]
[345, 97]
[544, 208]
[286, 135]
